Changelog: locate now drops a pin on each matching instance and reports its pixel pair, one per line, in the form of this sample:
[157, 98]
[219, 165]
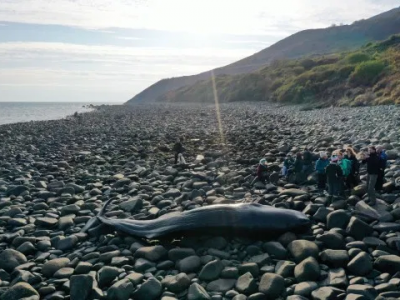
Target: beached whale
[227, 219]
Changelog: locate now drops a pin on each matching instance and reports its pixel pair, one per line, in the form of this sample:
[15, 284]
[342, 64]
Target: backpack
[346, 167]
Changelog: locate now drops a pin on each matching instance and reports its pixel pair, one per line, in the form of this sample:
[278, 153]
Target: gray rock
[335, 258]
[338, 219]
[176, 254]
[211, 271]
[360, 265]
[305, 288]
[106, 275]
[177, 284]
[121, 290]
[336, 278]
[221, 285]
[52, 266]
[285, 268]
[367, 291]
[301, 249]
[307, 270]
[152, 253]
[275, 250]
[326, 293]
[388, 263]
[246, 284]
[272, 285]
[68, 243]
[150, 290]
[358, 229]
[21, 290]
[197, 292]
[189, 264]
[81, 287]
[10, 259]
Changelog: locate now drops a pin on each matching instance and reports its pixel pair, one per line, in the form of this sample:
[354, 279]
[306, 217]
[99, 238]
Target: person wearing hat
[320, 167]
[262, 170]
[334, 176]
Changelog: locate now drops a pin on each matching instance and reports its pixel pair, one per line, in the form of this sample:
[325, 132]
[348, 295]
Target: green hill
[369, 75]
[308, 42]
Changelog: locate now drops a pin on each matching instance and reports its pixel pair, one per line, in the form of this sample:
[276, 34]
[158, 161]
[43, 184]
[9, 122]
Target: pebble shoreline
[56, 175]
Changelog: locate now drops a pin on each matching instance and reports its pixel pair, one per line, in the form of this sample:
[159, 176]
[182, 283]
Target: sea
[15, 112]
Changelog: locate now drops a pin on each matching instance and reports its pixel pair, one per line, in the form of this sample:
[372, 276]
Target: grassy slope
[307, 42]
[370, 75]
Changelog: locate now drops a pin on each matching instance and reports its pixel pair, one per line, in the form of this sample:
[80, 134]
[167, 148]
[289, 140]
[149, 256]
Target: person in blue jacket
[320, 167]
[381, 176]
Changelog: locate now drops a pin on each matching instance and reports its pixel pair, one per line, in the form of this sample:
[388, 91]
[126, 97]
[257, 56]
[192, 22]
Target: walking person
[374, 166]
[320, 167]
[334, 176]
[178, 149]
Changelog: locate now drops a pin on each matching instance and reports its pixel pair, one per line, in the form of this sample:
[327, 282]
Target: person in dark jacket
[320, 167]
[178, 148]
[298, 164]
[307, 161]
[287, 164]
[262, 170]
[374, 167]
[334, 176]
[354, 177]
[381, 176]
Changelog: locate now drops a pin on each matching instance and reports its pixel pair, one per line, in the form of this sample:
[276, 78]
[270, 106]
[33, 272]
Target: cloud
[206, 16]
[123, 70]
[129, 38]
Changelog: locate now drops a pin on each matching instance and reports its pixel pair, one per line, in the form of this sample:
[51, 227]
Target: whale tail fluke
[95, 221]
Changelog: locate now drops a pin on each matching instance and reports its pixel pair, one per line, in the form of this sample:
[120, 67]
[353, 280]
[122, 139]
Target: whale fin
[94, 221]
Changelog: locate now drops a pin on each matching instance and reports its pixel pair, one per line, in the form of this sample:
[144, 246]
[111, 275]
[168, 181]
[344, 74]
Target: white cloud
[122, 70]
[207, 16]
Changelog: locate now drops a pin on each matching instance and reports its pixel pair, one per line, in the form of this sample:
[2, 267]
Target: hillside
[370, 75]
[317, 41]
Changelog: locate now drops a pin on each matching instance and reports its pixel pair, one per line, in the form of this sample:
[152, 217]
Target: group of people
[339, 173]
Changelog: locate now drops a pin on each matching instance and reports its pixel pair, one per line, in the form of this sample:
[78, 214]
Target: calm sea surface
[14, 112]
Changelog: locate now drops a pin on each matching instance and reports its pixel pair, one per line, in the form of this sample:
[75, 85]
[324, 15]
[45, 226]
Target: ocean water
[15, 112]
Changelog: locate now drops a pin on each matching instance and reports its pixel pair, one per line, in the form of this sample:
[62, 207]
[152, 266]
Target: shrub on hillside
[364, 99]
[367, 72]
[356, 58]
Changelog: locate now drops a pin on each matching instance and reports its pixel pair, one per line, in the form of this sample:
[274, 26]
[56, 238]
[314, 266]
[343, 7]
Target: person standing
[381, 176]
[287, 164]
[307, 161]
[334, 176]
[354, 177]
[262, 171]
[374, 166]
[345, 165]
[320, 167]
[178, 149]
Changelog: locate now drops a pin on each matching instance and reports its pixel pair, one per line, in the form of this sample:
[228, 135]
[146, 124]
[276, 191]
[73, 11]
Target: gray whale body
[237, 219]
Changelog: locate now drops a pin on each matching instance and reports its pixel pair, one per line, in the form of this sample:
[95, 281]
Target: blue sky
[108, 51]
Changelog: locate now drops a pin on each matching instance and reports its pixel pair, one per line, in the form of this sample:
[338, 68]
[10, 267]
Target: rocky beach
[56, 175]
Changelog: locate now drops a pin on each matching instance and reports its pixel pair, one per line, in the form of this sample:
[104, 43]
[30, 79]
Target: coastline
[56, 175]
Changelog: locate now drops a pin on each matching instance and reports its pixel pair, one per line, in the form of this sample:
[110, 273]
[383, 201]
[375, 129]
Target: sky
[110, 50]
